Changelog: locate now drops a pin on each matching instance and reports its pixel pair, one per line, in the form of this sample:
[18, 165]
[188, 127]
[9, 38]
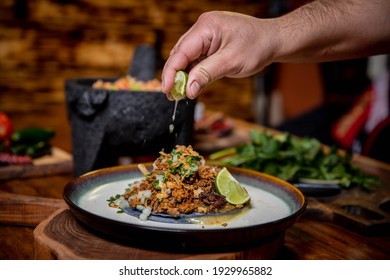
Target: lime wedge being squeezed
[178, 91]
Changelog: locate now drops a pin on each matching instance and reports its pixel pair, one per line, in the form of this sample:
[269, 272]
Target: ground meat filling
[180, 183]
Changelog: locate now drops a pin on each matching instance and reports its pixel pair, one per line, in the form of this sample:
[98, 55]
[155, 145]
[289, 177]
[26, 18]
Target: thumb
[198, 79]
[205, 72]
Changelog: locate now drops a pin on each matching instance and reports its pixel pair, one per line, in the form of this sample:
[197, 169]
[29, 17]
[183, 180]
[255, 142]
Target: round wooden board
[61, 236]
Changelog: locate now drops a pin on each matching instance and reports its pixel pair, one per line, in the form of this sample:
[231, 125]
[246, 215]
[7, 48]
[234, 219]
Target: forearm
[326, 30]
[222, 44]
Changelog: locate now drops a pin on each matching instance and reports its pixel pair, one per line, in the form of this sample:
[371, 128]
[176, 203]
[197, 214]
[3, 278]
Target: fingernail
[195, 88]
[170, 98]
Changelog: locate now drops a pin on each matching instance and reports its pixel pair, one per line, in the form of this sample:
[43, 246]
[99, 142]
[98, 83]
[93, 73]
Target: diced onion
[145, 213]
[143, 217]
[147, 210]
[122, 203]
[140, 207]
[147, 193]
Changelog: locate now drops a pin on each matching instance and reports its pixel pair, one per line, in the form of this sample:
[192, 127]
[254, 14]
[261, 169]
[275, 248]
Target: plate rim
[276, 227]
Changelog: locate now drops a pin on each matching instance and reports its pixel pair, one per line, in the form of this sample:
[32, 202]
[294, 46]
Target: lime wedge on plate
[178, 91]
[229, 187]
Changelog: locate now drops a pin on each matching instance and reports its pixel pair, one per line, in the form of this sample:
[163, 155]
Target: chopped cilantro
[186, 167]
[155, 184]
[113, 198]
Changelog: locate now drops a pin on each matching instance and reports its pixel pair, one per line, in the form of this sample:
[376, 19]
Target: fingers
[185, 55]
[174, 63]
[202, 72]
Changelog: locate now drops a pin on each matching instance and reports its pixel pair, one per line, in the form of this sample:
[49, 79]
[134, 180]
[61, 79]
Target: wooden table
[28, 205]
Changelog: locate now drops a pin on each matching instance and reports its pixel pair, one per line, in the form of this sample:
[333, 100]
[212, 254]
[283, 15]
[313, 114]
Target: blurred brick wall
[43, 42]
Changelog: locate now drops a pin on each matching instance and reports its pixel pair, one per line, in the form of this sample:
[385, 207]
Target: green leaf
[291, 158]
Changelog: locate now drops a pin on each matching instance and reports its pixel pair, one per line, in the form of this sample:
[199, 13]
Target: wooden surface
[24, 210]
[59, 161]
[28, 206]
[360, 212]
[62, 237]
